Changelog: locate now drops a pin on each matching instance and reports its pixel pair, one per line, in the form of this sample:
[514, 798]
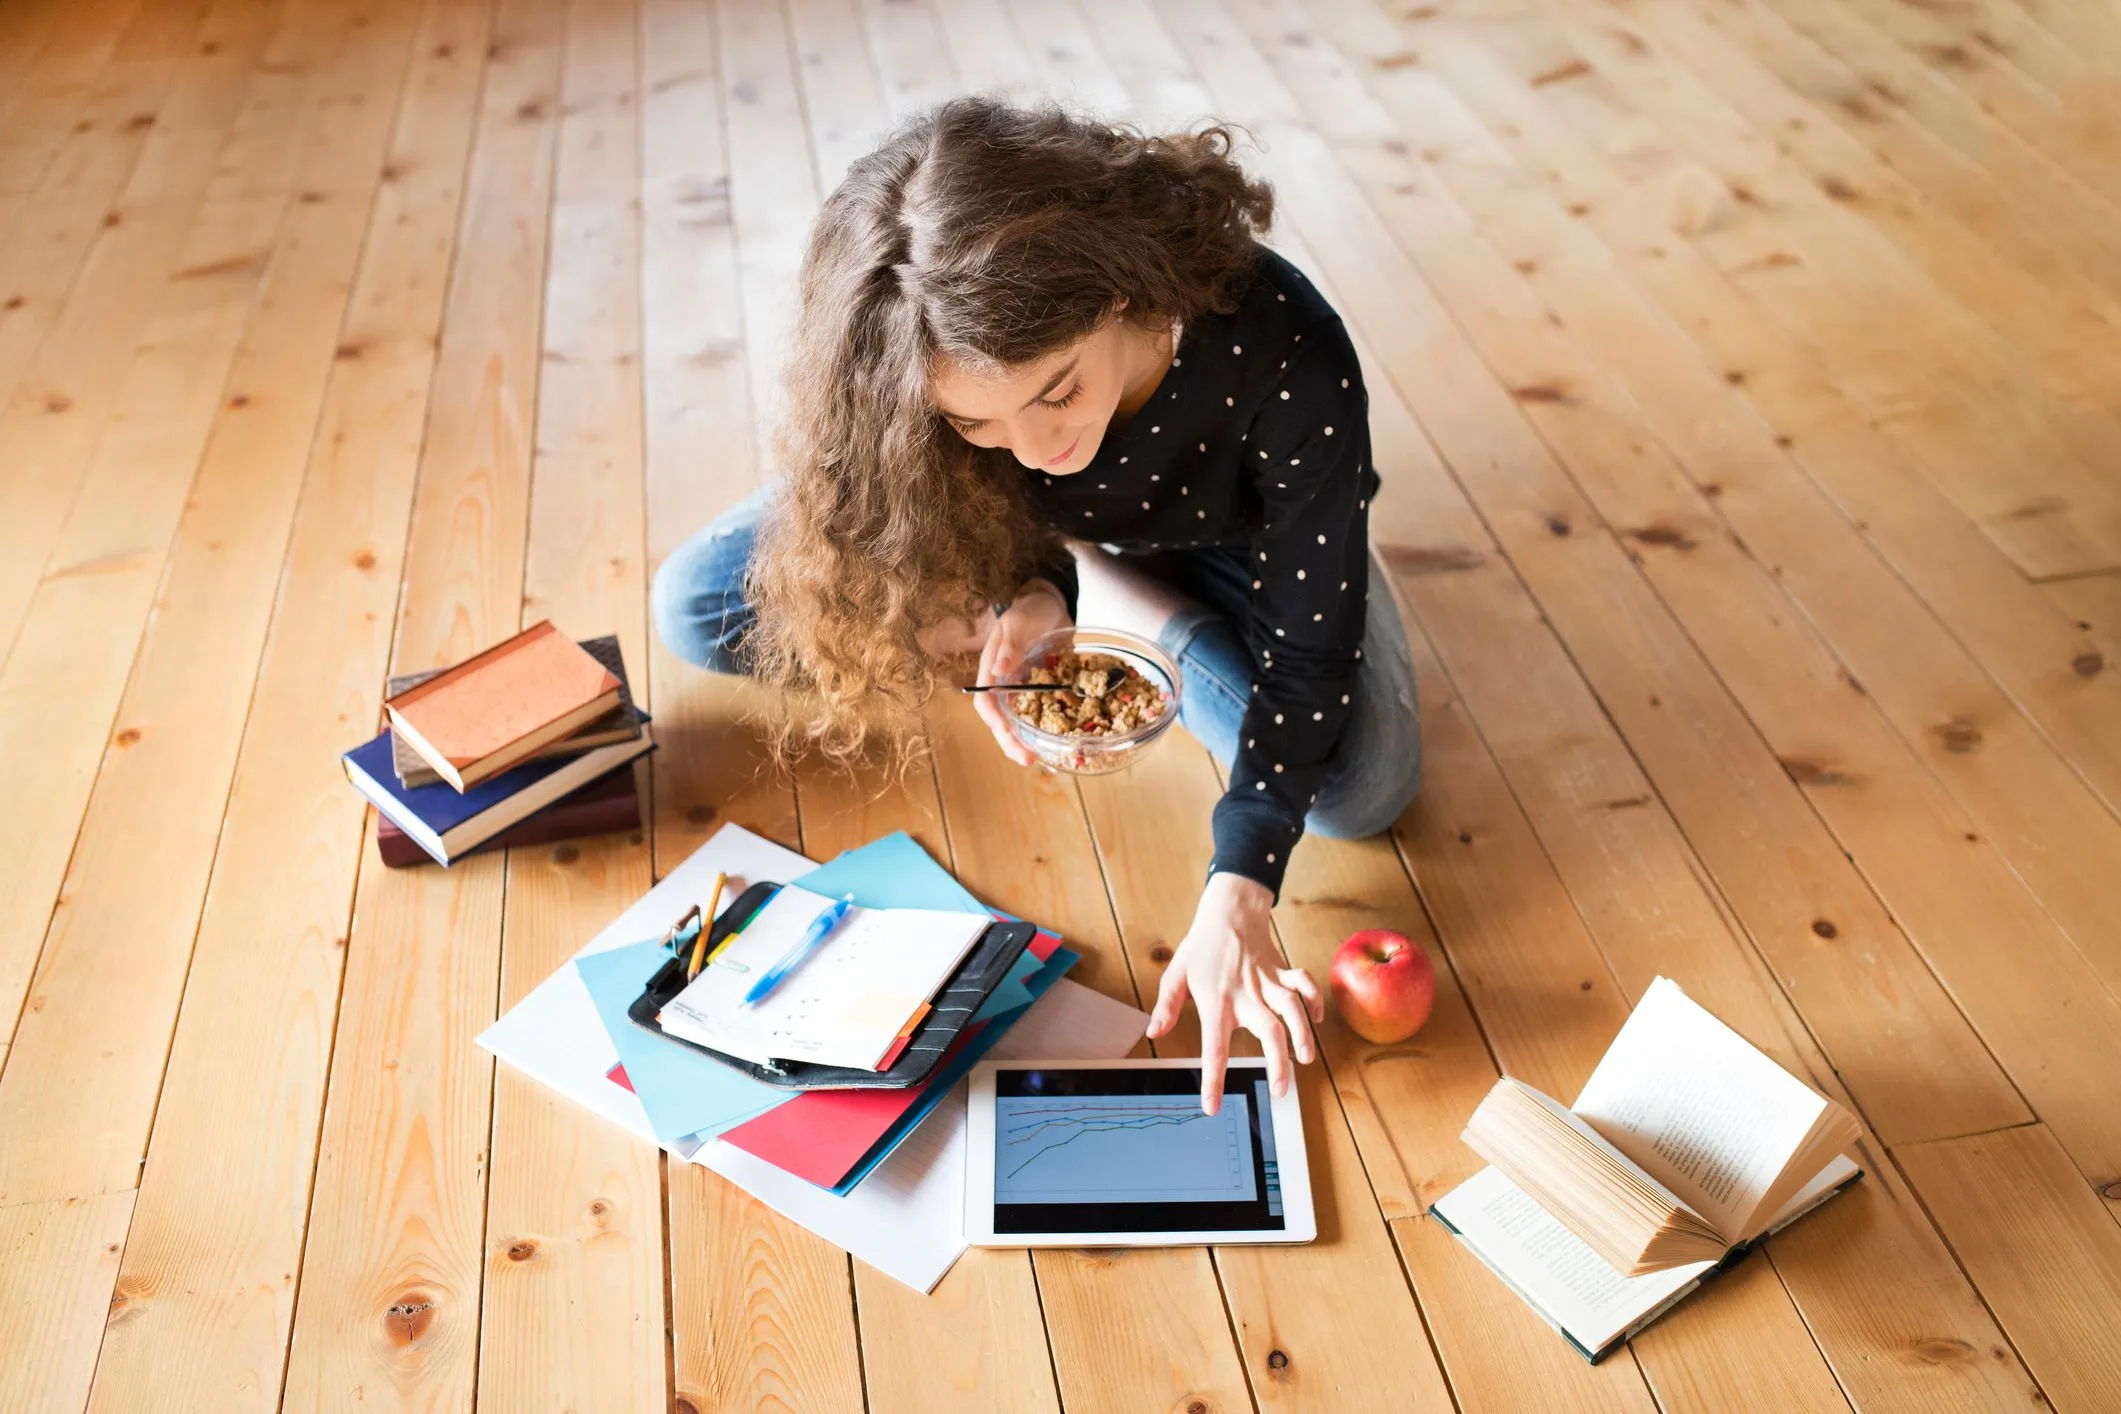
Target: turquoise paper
[683, 1092]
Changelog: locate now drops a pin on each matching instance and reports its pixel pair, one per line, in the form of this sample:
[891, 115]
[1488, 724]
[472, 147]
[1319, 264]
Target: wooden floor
[1746, 382]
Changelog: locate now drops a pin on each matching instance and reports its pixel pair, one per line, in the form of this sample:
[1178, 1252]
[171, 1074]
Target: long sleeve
[1308, 457]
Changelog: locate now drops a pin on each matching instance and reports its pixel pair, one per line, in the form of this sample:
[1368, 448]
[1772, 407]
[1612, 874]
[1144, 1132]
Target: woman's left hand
[1229, 966]
[1037, 610]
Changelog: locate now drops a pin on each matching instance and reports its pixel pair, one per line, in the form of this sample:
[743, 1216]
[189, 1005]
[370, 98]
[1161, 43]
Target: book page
[1552, 1268]
[1699, 1107]
[1827, 1182]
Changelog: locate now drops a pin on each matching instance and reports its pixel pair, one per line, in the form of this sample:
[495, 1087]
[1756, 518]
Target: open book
[1686, 1144]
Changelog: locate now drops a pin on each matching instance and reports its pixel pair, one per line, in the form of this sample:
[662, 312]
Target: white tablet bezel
[1284, 1112]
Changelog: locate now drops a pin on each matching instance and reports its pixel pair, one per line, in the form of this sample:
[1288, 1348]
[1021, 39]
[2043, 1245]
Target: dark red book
[605, 806]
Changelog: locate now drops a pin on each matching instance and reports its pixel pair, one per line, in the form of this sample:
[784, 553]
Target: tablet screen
[1130, 1151]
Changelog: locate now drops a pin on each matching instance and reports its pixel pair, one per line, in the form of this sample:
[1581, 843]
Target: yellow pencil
[699, 944]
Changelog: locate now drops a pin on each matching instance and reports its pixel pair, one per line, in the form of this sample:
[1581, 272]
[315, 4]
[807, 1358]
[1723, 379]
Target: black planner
[950, 1010]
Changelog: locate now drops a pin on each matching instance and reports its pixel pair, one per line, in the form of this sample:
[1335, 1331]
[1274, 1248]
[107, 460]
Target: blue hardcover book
[446, 822]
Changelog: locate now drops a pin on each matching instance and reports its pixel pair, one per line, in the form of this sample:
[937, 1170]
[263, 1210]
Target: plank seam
[1930, 1217]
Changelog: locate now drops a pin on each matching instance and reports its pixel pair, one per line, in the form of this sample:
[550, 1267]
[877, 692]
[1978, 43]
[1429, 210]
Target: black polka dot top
[1257, 441]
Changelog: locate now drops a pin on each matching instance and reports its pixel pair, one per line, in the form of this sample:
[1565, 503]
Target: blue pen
[820, 929]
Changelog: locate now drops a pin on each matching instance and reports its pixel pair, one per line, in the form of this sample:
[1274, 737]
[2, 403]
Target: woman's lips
[1067, 454]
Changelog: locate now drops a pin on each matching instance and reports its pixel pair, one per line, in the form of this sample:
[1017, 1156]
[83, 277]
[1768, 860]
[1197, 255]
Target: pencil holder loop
[681, 933]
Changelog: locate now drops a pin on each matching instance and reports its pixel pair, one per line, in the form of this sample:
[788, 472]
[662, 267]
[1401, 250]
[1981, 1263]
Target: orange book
[490, 712]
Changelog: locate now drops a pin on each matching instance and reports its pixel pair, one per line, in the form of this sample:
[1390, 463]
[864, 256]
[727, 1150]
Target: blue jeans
[702, 616]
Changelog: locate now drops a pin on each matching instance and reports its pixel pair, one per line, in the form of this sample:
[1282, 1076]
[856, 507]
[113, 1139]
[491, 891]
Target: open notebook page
[846, 1004]
[1699, 1107]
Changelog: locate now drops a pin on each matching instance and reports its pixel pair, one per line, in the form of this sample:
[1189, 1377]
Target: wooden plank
[2046, 1255]
[1928, 137]
[1957, 153]
[761, 1310]
[573, 1305]
[984, 48]
[841, 89]
[96, 1050]
[700, 448]
[773, 185]
[2050, 667]
[1501, 1356]
[2093, 605]
[50, 59]
[1069, 65]
[59, 374]
[573, 1312]
[911, 61]
[762, 1314]
[55, 96]
[216, 1242]
[393, 1269]
[51, 449]
[1747, 1346]
[1648, 904]
[1997, 52]
[58, 1285]
[1848, 281]
[25, 31]
[909, 1367]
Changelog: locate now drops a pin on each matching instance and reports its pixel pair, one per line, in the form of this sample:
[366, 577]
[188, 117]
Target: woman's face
[1051, 414]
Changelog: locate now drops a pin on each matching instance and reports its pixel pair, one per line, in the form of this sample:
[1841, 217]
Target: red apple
[1383, 985]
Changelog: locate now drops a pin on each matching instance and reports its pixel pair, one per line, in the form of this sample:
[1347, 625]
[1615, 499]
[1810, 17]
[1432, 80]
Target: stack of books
[529, 742]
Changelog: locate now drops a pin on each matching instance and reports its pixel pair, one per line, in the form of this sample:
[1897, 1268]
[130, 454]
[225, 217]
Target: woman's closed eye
[1066, 400]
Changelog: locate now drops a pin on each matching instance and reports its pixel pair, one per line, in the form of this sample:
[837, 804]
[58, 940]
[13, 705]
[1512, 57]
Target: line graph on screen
[1122, 1149]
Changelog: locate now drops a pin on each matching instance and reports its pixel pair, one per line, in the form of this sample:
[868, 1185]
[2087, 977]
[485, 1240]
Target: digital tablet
[1118, 1154]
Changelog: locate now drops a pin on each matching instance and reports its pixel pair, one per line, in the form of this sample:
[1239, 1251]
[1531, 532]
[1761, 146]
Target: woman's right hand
[1037, 610]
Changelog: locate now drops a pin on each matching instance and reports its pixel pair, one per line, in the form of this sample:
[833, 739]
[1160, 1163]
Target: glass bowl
[1094, 755]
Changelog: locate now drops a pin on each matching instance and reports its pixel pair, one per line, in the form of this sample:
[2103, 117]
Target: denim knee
[1355, 815]
[1380, 770]
[698, 599]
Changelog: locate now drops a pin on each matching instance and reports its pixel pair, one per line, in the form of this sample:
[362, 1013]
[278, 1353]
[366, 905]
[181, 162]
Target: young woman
[1043, 369]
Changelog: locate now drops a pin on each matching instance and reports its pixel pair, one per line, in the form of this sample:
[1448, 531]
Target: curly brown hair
[992, 235]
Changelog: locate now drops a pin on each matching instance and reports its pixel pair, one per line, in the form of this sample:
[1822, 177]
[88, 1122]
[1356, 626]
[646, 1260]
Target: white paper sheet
[907, 1218]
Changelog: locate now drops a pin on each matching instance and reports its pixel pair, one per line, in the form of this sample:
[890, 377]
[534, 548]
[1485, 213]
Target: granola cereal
[1108, 697]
